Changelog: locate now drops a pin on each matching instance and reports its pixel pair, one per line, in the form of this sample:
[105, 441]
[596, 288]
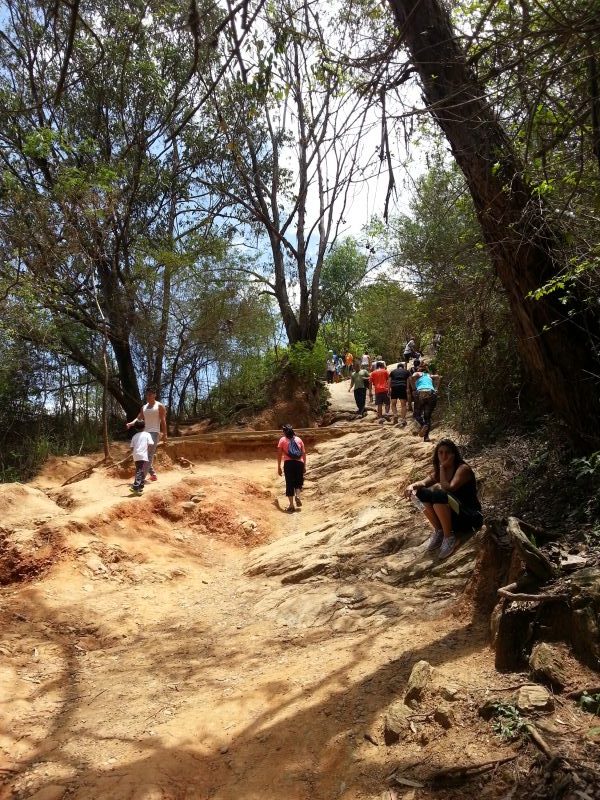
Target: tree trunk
[105, 439]
[130, 399]
[120, 314]
[165, 312]
[557, 347]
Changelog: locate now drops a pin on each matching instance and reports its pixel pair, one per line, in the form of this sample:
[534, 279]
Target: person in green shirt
[359, 382]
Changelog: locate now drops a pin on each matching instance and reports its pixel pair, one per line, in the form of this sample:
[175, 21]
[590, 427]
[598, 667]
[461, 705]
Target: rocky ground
[199, 643]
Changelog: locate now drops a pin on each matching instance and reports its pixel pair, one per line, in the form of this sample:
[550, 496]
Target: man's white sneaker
[435, 541]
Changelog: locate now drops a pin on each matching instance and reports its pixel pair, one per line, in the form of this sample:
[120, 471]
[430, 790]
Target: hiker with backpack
[448, 498]
[291, 450]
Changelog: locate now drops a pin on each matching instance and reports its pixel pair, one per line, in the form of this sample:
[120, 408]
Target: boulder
[548, 664]
[420, 678]
[396, 723]
[533, 697]
[444, 688]
[52, 792]
[188, 505]
[444, 716]
[94, 563]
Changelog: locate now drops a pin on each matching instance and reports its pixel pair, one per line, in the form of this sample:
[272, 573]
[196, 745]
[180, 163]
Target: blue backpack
[294, 449]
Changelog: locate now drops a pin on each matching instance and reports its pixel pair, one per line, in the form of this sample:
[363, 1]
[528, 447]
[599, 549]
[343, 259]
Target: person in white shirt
[154, 415]
[141, 442]
[330, 366]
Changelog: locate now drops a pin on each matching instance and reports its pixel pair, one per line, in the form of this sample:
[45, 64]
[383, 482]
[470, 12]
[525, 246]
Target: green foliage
[387, 314]
[30, 432]
[343, 271]
[439, 250]
[307, 361]
[38, 144]
[590, 703]
[587, 467]
[118, 200]
[247, 386]
[533, 63]
[244, 389]
[508, 722]
[100, 227]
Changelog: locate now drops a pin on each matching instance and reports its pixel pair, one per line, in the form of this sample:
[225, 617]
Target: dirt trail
[198, 643]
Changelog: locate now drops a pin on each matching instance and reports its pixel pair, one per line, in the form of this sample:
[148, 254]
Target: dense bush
[251, 383]
[438, 250]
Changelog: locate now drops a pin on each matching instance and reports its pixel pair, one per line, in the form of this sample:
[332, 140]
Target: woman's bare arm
[424, 484]
[462, 475]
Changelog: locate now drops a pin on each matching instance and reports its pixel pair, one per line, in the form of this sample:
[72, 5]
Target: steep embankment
[197, 642]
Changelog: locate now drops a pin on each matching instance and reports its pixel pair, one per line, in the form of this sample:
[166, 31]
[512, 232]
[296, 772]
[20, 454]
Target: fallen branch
[85, 473]
[129, 458]
[506, 591]
[539, 740]
[507, 688]
[467, 769]
[105, 462]
[123, 461]
[577, 693]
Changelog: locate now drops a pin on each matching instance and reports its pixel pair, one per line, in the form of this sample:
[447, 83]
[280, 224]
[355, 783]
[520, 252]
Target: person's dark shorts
[463, 521]
[293, 472]
[398, 392]
[381, 398]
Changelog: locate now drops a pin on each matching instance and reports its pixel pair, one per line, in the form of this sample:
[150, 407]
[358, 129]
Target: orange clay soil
[197, 642]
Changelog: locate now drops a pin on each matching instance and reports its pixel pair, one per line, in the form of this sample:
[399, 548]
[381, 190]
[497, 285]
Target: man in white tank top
[154, 415]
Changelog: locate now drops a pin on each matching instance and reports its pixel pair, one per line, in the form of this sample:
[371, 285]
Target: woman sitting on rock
[448, 498]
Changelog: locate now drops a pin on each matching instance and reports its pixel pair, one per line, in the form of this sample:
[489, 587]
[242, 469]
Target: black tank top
[467, 494]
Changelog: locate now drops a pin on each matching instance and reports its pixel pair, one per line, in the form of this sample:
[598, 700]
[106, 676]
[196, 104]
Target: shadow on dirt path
[198, 643]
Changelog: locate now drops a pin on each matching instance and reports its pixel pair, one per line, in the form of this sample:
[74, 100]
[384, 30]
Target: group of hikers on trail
[397, 390]
[447, 496]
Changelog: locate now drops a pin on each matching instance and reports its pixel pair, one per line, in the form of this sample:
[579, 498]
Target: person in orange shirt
[380, 381]
[349, 363]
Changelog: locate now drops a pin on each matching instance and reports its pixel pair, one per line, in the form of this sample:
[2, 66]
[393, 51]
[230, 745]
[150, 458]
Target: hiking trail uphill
[197, 642]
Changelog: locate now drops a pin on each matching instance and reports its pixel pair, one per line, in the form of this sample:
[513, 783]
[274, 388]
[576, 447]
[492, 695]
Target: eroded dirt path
[198, 643]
